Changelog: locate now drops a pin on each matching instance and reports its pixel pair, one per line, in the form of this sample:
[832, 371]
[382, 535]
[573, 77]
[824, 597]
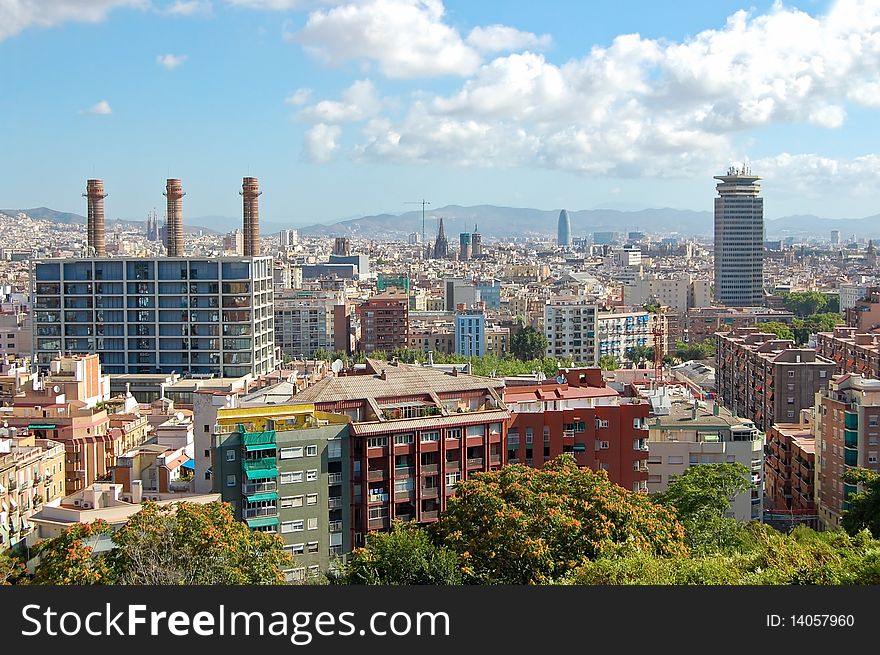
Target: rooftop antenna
[422, 202]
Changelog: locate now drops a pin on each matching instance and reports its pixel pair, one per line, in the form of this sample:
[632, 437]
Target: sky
[357, 107]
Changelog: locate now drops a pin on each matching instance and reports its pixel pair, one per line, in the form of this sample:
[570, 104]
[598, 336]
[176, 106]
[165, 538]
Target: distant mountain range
[494, 221]
[68, 218]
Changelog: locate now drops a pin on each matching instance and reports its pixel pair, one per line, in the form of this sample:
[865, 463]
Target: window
[313, 548]
[872, 421]
[790, 414]
[790, 400]
[207, 453]
[791, 374]
[311, 451]
[453, 478]
[291, 501]
[602, 445]
[476, 430]
[291, 526]
[546, 434]
[297, 549]
[872, 458]
[334, 450]
[601, 423]
[377, 442]
[430, 436]
[530, 434]
[312, 474]
[312, 499]
[291, 477]
[230, 480]
[675, 459]
[313, 523]
[823, 374]
[296, 575]
[230, 455]
[290, 453]
[403, 439]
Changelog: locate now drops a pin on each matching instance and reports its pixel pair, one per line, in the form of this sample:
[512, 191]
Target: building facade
[304, 324]
[739, 239]
[384, 323]
[158, 315]
[415, 432]
[853, 351]
[570, 328]
[470, 333]
[847, 430]
[617, 333]
[766, 379]
[579, 414]
[790, 474]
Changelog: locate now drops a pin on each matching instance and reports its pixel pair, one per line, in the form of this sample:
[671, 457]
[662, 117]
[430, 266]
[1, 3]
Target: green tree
[700, 497]
[179, 544]
[804, 303]
[832, 303]
[404, 556]
[521, 525]
[608, 363]
[528, 344]
[864, 510]
[69, 558]
[11, 568]
[697, 350]
[781, 330]
[638, 353]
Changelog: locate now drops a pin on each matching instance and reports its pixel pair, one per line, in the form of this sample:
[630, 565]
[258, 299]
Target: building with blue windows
[192, 316]
[490, 293]
[470, 333]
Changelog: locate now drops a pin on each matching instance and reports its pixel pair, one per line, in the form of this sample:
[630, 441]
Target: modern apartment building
[864, 315]
[384, 323]
[766, 379]
[497, 340]
[684, 432]
[415, 432]
[304, 323]
[847, 431]
[579, 414]
[853, 351]
[570, 328]
[284, 468]
[31, 476]
[157, 315]
[790, 474]
[470, 333]
[739, 239]
[616, 333]
[679, 292]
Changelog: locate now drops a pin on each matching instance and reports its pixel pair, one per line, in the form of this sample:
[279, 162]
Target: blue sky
[356, 107]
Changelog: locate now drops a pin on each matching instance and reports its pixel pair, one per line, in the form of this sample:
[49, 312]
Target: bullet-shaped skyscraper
[739, 239]
[563, 230]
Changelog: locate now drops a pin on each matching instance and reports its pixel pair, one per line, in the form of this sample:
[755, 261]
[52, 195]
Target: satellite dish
[56, 388]
[336, 366]
[560, 379]
[179, 416]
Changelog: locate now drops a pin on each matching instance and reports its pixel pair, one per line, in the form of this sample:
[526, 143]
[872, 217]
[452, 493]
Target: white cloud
[190, 7]
[299, 97]
[501, 38]
[274, 5]
[359, 102]
[810, 175]
[321, 141]
[643, 106]
[19, 15]
[170, 61]
[101, 108]
[406, 38]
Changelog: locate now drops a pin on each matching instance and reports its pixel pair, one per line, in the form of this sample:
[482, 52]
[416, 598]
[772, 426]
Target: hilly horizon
[498, 221]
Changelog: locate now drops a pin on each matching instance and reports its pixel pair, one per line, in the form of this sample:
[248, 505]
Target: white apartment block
[570, 328]
[617, 333]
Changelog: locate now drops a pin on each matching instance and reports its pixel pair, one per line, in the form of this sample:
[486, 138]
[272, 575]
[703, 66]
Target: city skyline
[569, 106]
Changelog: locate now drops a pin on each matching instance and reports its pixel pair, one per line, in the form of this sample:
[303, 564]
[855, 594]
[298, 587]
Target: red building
[384, 323]
[415, 432]
[789, 474]
[583, 416]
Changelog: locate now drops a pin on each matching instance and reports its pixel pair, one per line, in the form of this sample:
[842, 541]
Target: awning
[256, 498]
[42, 426]
[189, 464]
[579, 448]
[251, 447]
[262, 522]
[257, 474]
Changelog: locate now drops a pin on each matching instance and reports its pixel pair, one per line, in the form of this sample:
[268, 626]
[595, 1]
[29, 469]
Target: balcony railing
[400, 471]
[260, 511]
[377, 474]
[429, 469]
[430, 516]
[473, 462]
[335, 526]
[377, 498]
[249, 488]
[428, 492]
[334, 478]
[334, 502]
[259, 463]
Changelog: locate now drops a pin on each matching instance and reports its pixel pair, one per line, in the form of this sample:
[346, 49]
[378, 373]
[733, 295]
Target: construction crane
[657, 331]
[422, 203]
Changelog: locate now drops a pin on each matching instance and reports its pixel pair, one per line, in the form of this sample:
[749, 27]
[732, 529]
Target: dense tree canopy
[864, 512]
[528, 344]
[700, 497]
[404, 556]
[180, 544]
[522, 525]
[11, 568]
[781, 330]
[804, 303]
[608, 363]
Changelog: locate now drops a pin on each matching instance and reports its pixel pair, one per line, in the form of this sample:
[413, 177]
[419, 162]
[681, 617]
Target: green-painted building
[384, 282]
